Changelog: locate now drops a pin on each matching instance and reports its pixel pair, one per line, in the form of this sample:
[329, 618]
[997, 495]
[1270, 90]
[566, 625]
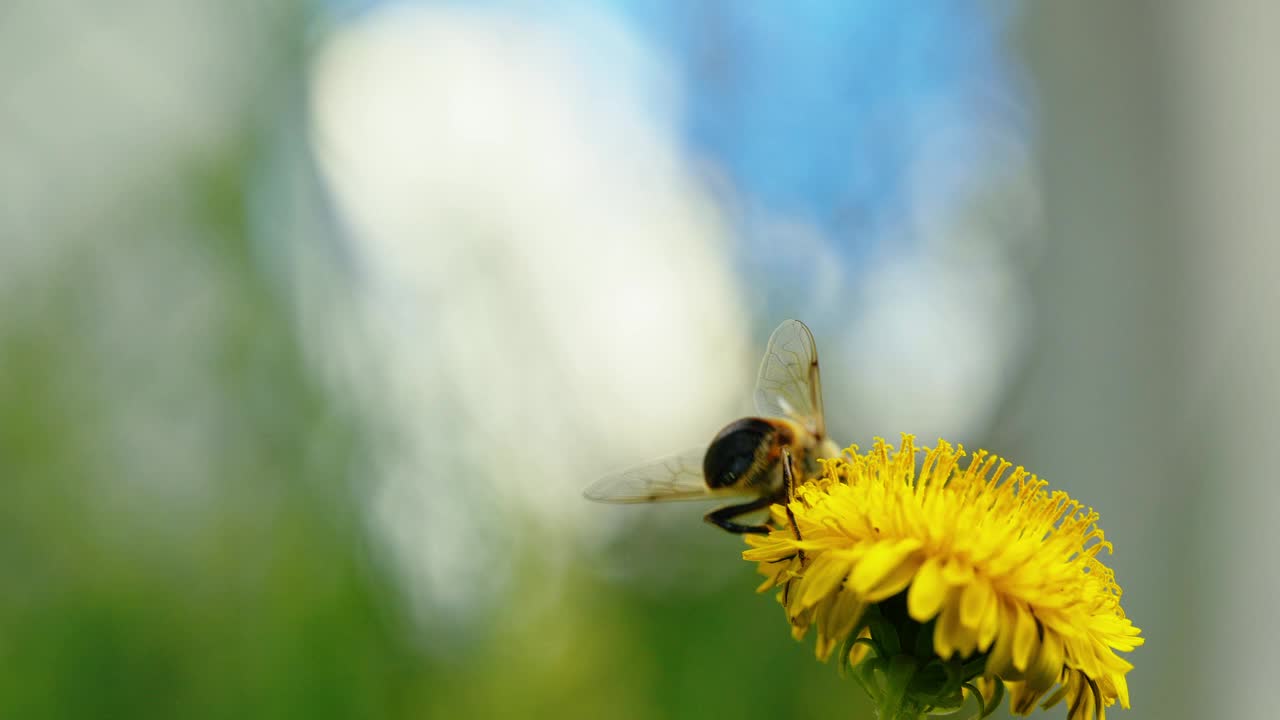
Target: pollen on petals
[977, 567]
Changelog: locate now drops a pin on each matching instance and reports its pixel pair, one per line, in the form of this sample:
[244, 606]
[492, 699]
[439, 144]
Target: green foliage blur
[254, 599]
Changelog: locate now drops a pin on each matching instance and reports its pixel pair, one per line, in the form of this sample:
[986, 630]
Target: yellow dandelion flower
[940, 584]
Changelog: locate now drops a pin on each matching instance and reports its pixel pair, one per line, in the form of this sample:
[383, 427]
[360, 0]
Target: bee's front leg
[789, 486]
[723, 517]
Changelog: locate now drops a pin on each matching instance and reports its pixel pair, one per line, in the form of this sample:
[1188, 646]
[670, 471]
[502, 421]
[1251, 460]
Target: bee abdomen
[734, 456]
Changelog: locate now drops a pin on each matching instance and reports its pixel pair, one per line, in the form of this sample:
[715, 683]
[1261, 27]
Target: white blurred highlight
[940, 328]
[939, 337]
[544, 290]
[99, 103]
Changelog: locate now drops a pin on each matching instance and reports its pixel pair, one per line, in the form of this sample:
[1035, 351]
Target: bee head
[736, 455]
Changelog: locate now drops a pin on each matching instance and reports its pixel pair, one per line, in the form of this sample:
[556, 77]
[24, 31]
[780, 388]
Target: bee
[753, 457]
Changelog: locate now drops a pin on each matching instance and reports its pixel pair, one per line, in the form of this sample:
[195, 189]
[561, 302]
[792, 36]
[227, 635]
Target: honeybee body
[747, 454]
[760, 457]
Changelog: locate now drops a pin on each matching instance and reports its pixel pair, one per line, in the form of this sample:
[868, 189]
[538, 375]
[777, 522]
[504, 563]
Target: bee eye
[733, 452]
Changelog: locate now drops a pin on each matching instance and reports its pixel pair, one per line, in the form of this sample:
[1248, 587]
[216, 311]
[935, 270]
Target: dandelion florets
[940, 584]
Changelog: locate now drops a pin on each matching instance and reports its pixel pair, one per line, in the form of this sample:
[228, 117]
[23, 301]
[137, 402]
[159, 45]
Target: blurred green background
[315, 319]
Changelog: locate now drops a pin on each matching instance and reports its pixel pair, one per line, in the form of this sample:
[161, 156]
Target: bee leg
[789, 486]
[723, 517]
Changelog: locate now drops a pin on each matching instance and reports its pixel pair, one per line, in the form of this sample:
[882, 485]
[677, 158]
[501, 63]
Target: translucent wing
[788, 385]
[675, 478]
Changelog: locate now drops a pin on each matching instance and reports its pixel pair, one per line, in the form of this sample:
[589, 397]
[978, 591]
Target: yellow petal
[949, 636]
[880, 560]
[821, 577]
[1122, 690]
[835, 619]
[1000, 662]
[896, 581]
[974, 600]
[1022, 698]
[1026, 638]
[767, 549]
[859, 651]
[1047, 666]
[927, 591]
[989, 626]
[955, 572]
[821, 622]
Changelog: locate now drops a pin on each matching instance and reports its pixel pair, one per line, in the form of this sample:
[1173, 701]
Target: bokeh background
[316, 317]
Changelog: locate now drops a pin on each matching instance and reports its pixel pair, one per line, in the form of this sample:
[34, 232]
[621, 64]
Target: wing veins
[789, 383]
[678, 477]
